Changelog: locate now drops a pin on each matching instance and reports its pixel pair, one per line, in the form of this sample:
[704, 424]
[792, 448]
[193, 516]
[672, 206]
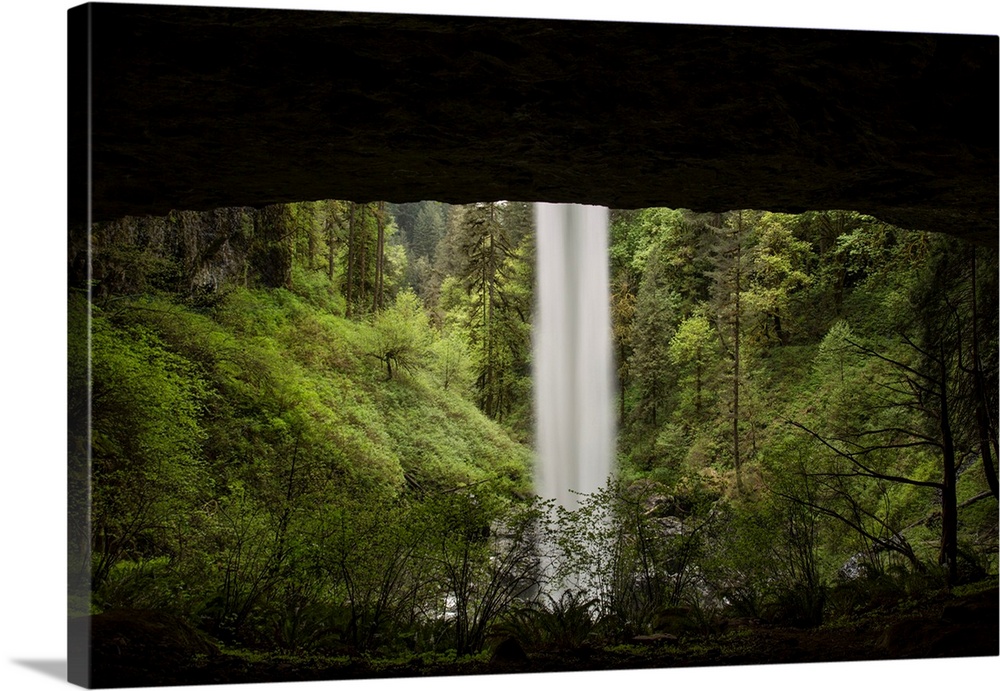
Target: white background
[32, 251]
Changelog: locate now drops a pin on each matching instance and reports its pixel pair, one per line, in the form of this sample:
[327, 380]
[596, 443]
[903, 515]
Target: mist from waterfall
[574, 376]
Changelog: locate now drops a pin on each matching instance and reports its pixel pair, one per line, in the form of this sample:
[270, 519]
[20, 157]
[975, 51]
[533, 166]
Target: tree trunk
[311, 237]
[697, 383]
[379, 258]
[490, 355]
[362, 257]
[331, 219]
[272, 258]
[987, 431]
[736, 358]
[621, 388]
[949, 503]
[350, 260]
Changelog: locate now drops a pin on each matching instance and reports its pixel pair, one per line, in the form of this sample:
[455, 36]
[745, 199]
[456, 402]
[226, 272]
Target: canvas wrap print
[413, 345]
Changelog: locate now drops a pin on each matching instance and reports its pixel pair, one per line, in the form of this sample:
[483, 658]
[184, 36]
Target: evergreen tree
[657, 313]
[731, 233]
[776, 270]
[369, 231]
[428, 228]
[693, 351]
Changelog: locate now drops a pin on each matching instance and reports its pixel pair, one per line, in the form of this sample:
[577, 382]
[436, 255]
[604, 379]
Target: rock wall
[199, 108]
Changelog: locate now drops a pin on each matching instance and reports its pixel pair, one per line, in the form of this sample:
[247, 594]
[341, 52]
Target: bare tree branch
[865, 470]
[900, 430]
[896, 363]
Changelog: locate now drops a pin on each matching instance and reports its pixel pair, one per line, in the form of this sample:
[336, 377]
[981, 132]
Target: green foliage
[485, 553]
[369, 554]
[317, 289]
[861, 334]
[400, 335]
[657, 312]
[775, 272]
[694, 353]
[623, 548]
[227, 434]
[485, 297]
[562, 623]
[452, 362]
[141, 584]
[146, 435]
[289, 446]
[765, 562]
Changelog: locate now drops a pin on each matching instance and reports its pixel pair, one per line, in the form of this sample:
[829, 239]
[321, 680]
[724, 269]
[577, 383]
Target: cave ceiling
[201, 107]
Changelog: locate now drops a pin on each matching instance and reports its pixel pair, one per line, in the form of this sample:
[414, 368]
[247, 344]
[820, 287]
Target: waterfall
[574, 379]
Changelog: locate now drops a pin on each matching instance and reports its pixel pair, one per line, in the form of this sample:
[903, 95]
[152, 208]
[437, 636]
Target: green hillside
[304, 431]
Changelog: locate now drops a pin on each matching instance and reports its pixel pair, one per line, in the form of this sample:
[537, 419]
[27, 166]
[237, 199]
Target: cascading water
[574, 380]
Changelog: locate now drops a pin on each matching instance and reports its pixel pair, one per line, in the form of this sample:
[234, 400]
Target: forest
[308, 433]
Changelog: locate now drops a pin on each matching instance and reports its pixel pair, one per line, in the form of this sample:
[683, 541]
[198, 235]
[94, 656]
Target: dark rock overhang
[197, 108]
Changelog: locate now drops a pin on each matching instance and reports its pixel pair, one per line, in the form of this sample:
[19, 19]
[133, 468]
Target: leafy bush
[558, 623]
[484, 552]
[627, 548]
[400, 335]
[142, 584]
